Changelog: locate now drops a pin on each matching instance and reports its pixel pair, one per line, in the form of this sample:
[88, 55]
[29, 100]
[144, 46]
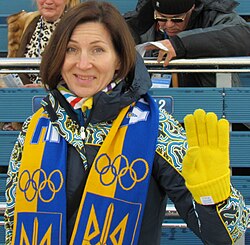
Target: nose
[48, 2]
[168, 24]
[84, 61]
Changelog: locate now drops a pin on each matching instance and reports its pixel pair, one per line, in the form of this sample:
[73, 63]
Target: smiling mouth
[86, 78]
[48, 9]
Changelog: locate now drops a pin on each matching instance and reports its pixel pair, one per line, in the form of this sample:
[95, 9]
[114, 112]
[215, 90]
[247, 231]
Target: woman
[29, 33]
[95, 165]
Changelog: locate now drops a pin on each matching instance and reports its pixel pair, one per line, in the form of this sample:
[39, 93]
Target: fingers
[217, 131]
[195, 126]
[223, 131]
[200, 120]
[212, 129]
[32, 85]
[161, 55]
[190, 127]
[167, 59]
[205, 129]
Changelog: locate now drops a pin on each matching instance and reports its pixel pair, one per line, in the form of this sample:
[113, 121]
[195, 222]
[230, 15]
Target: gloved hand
[206, 164]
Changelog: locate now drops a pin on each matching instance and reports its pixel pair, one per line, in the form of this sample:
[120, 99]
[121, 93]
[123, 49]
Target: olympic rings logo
[130, 173]
[30, 185]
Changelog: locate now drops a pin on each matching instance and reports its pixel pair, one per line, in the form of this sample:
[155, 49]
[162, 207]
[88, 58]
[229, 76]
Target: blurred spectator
[192, 29]
[29, 32]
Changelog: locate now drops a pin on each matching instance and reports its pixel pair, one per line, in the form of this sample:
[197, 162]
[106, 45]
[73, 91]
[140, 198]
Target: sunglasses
[165, 19]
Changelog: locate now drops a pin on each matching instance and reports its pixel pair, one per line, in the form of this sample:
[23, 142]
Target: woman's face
[90, 60]
[51, 10]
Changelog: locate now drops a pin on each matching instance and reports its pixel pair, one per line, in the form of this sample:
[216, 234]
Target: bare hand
[170, 53]
[33, 85]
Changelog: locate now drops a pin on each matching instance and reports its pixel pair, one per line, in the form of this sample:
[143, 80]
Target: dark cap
[173, 6]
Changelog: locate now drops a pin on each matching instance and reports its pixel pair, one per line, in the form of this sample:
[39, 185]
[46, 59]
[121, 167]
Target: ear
[118, 65]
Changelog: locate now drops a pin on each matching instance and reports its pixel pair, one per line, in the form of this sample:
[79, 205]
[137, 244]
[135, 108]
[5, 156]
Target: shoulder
[172, 144]
[21, 19]
[169, 123]
[17, 24]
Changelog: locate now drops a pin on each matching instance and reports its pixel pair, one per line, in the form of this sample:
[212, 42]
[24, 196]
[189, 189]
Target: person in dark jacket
[192, 29]
[96, 163]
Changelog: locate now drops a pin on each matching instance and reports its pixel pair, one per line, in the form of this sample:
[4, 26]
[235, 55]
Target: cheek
[67, 64]
[60, 4]
[39, 6]
[161, 25]
[65, 69]
[109, 72]
[182, 26]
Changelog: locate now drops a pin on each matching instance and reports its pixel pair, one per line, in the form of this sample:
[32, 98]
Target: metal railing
[213, 65]
[223, 67]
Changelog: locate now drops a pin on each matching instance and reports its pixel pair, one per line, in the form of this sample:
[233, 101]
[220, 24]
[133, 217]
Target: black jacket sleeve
[227, 35]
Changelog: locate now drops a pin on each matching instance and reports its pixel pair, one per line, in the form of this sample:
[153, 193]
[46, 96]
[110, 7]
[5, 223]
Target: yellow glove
[206, 164]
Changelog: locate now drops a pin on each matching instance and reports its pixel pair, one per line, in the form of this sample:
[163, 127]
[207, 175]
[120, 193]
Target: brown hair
[89, 11]
[71, 3]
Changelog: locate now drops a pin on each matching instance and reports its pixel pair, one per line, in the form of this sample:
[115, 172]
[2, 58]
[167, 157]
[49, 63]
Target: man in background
[191, 29]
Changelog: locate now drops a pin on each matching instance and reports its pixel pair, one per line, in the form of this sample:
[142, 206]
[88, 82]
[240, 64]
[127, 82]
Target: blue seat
[4, 38]
[244, 79]
[236, 104]
[2, 232]
[2, 199]
[15, 106]
[186, 100]
[2, 187]
[244, 7]
[19, 107]
[242, 184]
[177, 236]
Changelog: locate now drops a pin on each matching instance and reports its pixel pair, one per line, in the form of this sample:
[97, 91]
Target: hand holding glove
[206, 164]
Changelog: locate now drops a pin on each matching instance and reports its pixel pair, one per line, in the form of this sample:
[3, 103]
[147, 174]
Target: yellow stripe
[112, 145]
[113, 149]
[87, 104]
[31, 160]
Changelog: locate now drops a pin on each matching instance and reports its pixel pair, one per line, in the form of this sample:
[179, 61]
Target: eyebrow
[172, 16]
[94, 42]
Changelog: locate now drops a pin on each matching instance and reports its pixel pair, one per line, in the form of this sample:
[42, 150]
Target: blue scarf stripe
[49, 191]
[144, 138]
[125, 209]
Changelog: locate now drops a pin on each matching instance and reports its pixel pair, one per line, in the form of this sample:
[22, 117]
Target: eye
[71, 50]
[98, 50]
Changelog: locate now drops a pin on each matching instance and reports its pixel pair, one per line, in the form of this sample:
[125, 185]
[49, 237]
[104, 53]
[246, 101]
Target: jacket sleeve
[142, 20]
[228, 35]
[12, 178]
[222, 223]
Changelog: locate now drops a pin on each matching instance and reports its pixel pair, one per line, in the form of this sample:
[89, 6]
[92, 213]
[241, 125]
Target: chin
[171, 34]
